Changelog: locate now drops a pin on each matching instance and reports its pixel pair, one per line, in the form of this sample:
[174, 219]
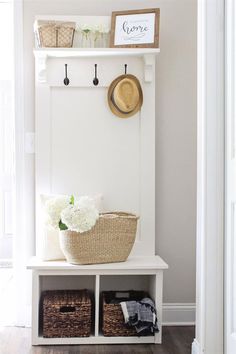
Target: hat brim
[113, 107]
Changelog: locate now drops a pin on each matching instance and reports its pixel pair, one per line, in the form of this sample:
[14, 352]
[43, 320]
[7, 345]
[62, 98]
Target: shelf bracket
[41, 68]
[149, 65]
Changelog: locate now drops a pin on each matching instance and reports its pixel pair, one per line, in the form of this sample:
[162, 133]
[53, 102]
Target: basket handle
[66, 309]
[122, 294]
[120, 214]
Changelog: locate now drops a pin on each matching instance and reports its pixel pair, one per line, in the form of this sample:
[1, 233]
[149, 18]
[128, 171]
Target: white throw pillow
[48, 243]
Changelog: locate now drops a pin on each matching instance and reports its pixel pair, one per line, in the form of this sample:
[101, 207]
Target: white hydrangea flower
[53, 208]
[101, 28]
[85, 28]
[81, 216]
[86, 202]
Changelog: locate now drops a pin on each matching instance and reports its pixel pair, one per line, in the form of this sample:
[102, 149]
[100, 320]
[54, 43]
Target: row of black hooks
[66, 80]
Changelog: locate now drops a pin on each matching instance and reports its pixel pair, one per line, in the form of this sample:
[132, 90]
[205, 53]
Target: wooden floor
[176, 340]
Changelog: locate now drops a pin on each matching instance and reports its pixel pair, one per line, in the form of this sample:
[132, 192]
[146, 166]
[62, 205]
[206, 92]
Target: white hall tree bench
[82, 148]
[134, 274]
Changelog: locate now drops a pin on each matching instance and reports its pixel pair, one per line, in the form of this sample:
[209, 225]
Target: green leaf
[62, 226]
[72, 200]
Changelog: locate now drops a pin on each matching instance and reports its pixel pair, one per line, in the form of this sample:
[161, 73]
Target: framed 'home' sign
[135, 28]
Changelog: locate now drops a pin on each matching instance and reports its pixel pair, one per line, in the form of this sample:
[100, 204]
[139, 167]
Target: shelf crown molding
[41, 55]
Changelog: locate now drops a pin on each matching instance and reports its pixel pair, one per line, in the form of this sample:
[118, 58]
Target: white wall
[176, 128]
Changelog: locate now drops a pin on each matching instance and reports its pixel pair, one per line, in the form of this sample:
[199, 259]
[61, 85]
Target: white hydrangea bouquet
[67, 213]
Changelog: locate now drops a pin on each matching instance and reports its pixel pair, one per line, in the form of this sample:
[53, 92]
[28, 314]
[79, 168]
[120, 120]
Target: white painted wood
[23, 241]
[97, 271]
[147, 54]
[43, 150]
[97, 304]
[35, 306]
[94, 277]
[210, 188]
[155, 285]
[158, 301]
[6, 167]
[77, 140]
[42, 56]
[81, 75]
[149, 62]
[41, 67]
[138, 263]
[230, 225]
[96, 52]
[196, 347]
[82, 148]
[201, 179]
[148, 163]
[94, 340]
[100, 152]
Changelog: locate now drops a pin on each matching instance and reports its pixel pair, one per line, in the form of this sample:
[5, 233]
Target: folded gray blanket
[141, 315]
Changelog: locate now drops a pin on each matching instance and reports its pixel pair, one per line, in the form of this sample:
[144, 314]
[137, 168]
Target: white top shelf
[93, 52]
[138, 263]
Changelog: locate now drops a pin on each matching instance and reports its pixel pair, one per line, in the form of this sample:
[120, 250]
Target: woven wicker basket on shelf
[55, 33]
[66, 313]
[110, 240]
[113, 319]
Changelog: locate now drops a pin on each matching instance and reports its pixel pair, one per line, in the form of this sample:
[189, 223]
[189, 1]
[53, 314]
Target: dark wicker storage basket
[113, 319]
[66, 313]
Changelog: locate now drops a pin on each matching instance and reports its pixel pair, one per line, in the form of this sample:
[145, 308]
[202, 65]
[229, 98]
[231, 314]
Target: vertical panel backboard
[83, 149]
[93, 151]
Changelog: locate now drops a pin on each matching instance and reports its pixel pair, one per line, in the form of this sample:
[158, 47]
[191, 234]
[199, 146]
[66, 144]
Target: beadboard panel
[97, 153]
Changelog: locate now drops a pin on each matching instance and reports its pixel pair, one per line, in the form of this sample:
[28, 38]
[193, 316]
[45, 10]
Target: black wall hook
[126, 69]
[66, 80]
[95, 80]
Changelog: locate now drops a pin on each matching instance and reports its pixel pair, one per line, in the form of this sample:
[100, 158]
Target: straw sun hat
[125, 96]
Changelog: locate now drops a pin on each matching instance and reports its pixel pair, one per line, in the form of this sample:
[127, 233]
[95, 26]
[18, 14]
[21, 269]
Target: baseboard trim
[178, 314]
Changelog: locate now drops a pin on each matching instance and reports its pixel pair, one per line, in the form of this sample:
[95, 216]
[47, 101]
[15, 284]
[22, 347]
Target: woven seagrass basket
[113, 324]
[55, 33]
[110, 240]
[66, 313]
